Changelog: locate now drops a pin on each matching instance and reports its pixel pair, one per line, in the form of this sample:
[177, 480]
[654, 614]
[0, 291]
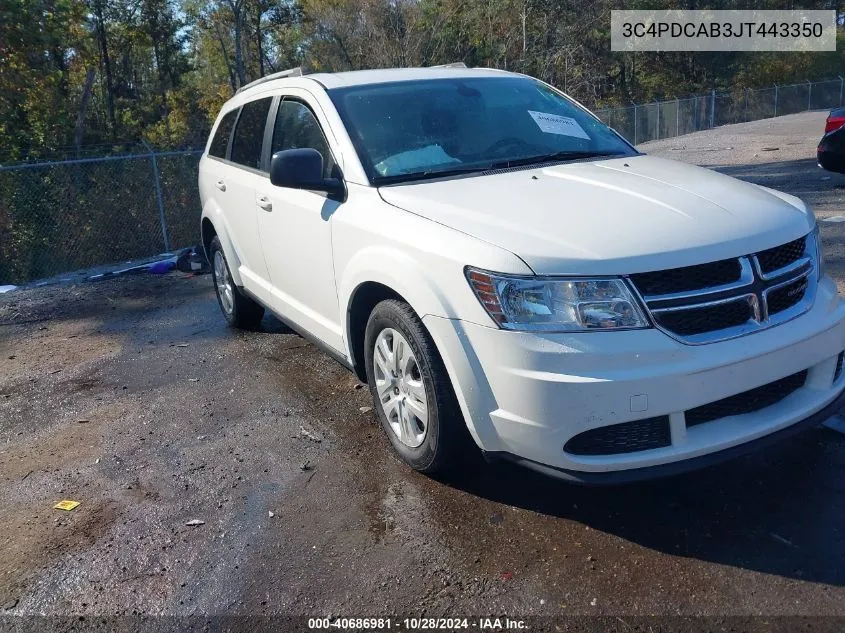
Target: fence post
[677, 117]
[712, 108]
[809, 95]
[159, 198]
[635, 124]
[657, 103]
[695, 114]
[776, 99]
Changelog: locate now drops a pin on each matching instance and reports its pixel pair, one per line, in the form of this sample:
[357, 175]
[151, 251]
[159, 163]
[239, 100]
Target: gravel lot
[131, 397]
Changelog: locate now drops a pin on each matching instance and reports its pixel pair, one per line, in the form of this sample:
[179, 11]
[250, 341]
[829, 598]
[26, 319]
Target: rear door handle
[221, 185]
[264, 203]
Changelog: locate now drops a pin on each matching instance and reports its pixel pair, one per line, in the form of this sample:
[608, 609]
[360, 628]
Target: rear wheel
[411, 390]
[239, 310]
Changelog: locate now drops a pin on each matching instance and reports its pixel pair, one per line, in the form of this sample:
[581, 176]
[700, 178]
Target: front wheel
[411, 390]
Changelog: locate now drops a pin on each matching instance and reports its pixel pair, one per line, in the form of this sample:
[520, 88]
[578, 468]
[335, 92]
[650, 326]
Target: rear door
[236, 179]
[295, 227]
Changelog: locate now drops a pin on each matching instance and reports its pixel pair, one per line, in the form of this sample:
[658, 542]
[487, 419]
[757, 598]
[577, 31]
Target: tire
[435, 449]
[239, 310]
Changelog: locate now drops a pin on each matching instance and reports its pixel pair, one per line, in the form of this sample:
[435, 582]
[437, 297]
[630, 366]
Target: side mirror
[303, 169]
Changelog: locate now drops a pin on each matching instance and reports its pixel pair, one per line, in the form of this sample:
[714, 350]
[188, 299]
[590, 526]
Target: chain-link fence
[665, 119]
[59, 216]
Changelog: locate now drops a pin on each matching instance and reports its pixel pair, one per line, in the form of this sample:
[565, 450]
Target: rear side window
[246, 146]
[297, 128]
[221, 137]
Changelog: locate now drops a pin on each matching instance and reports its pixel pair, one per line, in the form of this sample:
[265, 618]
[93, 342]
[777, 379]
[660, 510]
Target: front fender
[397, 270]
[435, 304]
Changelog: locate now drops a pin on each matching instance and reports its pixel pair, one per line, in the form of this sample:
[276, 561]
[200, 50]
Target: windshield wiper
[550, 158]
[430, 173]
[469, 169]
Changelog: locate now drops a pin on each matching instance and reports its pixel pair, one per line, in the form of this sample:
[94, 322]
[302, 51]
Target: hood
[610, 217]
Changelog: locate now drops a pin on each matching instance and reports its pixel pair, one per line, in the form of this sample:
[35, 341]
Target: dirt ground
[132, 397]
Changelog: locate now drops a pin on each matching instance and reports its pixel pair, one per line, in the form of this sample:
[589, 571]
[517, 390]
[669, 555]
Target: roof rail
[451, 65]
[291, 72]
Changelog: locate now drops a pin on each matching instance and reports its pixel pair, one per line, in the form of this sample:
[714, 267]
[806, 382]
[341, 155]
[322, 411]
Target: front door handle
[221, 185]
[265, 203]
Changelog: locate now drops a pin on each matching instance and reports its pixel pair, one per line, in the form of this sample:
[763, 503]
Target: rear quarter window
[249, 134]
[221, 136]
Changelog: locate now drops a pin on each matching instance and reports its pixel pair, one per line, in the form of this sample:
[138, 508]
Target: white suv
[498, 264]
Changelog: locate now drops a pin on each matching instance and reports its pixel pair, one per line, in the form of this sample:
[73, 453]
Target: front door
[295, 229]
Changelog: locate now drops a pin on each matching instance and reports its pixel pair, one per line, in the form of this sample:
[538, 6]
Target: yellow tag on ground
[66, 505]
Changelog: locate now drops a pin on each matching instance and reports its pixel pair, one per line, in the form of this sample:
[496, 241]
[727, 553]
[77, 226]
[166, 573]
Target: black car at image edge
[831, 152]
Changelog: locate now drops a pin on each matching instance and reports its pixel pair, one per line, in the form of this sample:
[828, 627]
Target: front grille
[731, 297]
[708, 319]
[664, 282]
[627, 437]
[781, 256]
[787, 296]
[748, 401]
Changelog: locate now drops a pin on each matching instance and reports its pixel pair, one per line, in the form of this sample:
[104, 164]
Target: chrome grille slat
[797, 265]
[790, 288]
[746, 277]
[666, 282]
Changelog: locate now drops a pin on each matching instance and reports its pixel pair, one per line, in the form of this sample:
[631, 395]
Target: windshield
[426, 129]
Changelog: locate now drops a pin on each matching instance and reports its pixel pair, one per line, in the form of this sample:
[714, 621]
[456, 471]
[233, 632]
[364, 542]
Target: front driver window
[297, 128]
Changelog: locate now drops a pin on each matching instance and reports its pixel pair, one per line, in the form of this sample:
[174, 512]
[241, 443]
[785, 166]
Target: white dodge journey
[503, 269]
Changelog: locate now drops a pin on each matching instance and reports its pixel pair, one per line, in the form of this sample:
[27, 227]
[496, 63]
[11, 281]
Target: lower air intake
[747, 401]
[627, 437]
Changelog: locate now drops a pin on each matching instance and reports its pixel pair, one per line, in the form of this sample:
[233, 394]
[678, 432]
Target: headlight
[556, 305]
[817, 246]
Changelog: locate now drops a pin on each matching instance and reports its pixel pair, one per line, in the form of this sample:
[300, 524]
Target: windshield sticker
[556, 124]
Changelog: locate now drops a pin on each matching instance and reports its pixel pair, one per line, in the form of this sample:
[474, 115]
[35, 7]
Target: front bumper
[525, 395]
[831, 160]
[676, 468]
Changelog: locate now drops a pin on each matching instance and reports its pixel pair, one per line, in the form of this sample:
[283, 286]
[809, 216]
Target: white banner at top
[675, 30]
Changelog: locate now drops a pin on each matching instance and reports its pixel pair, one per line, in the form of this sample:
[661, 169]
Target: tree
[89, 72]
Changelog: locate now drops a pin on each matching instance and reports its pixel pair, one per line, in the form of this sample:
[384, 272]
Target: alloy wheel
[224, 283]
[400, 388]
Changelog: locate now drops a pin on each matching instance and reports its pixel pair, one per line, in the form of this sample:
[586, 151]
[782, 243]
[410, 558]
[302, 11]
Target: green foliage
[163, 67]
[36, 37]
